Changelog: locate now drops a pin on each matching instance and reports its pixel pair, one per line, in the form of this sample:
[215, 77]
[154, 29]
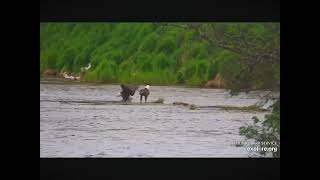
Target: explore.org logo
[259, 146]
[266, 149]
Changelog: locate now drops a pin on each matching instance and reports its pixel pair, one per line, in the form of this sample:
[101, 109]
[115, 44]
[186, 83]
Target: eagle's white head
[147, 87]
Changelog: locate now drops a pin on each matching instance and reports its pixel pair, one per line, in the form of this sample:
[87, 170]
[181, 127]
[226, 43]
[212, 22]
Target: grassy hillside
[134, 53]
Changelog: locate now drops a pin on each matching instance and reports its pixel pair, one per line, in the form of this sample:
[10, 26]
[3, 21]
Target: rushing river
[114, 130]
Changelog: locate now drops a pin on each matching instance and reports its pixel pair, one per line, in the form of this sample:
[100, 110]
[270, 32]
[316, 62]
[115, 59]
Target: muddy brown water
[77, 129]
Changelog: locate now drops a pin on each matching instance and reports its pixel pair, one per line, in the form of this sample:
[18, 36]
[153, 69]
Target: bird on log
[144, 92]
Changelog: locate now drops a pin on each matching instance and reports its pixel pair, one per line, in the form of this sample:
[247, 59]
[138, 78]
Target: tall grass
[130, 53]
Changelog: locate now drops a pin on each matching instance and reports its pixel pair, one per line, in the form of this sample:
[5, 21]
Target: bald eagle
[127, 91]
[144, 92]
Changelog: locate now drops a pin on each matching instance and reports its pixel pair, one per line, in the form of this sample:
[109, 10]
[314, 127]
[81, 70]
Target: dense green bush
[144, 52]
[265, 130]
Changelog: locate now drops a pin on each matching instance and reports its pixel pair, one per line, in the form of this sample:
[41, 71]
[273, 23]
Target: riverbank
[58, 79]
[61, 80]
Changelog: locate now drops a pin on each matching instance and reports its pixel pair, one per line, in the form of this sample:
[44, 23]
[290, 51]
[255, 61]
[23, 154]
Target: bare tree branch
[236, 42]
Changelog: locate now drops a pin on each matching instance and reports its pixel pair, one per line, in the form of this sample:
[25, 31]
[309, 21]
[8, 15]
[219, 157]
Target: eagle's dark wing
[129, 89]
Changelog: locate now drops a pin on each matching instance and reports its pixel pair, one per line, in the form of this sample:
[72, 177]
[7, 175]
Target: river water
[114, 130]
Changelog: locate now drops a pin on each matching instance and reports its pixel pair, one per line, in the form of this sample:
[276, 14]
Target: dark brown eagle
[127, 91]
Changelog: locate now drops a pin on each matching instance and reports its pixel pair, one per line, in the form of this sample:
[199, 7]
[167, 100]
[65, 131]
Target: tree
[268, 131]
[255, 43]
[258, 48]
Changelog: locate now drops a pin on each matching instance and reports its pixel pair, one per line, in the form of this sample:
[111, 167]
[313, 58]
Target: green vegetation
[246, 55]
[157, 53]
[267, 131]
[256, 65]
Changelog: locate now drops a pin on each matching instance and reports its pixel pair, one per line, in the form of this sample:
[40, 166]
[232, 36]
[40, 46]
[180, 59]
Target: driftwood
[226, 108]
[160, 101]
[96, 102]
[180, 103]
